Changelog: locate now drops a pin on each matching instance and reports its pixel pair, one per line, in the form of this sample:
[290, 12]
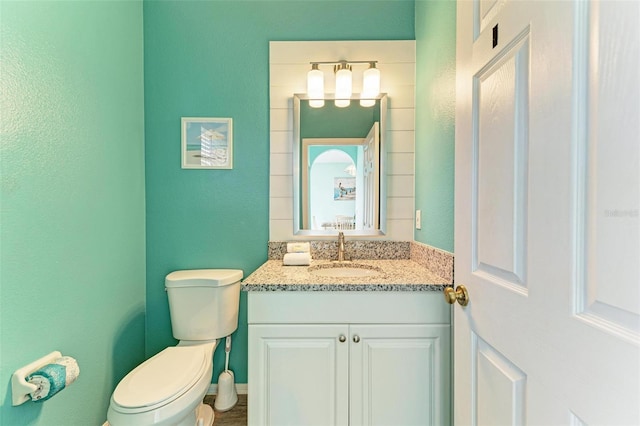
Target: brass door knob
[460, 294]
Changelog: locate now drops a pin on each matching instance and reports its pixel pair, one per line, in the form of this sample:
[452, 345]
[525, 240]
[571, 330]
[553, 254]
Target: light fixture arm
[342, 61]
[342, 65]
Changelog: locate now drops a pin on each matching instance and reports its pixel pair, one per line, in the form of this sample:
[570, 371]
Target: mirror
[338, 168]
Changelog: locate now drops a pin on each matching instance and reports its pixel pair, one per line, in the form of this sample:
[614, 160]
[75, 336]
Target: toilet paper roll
[296, 259]
[52, 378]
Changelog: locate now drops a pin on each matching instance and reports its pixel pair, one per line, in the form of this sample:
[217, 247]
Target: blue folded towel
[52, 378]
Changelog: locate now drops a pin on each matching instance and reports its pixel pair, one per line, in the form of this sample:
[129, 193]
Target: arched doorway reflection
[334, 179]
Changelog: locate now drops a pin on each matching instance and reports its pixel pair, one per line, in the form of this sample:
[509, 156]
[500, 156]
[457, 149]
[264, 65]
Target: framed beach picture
[207, 143]
[344, 188]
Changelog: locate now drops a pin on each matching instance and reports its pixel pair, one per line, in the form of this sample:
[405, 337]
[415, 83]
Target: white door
[547, 235]
[300, 375]
[399, 374]
[371, 172]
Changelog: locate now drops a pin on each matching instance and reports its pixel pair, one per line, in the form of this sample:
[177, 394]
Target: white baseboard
[241, 388]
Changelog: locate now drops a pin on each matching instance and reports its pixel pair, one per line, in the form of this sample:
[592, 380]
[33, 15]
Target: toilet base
[205, 415]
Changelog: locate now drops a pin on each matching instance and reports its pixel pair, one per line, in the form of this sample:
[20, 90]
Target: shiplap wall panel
[401, 141]
[401, 96]
[281, 186]
[281, 142]
[401, 119]
[281, 165]
[279, 208]
[400, 208]
[400, 186]
[400, 163]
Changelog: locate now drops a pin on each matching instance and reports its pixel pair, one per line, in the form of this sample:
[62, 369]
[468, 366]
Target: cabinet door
[298, 375]
[399, 375]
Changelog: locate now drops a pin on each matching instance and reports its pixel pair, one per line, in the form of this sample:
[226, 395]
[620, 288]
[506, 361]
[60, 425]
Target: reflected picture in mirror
[337, 168]
[344, 188]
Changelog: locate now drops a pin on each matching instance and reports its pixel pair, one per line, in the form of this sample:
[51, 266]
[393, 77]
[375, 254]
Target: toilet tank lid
[203, 278]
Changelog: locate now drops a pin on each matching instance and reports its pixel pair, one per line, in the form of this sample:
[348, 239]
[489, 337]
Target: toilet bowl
[168, 388]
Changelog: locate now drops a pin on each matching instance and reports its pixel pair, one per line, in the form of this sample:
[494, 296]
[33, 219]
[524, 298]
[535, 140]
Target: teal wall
[435, 120]
[331, 121]
[72, 257]
[211, 59]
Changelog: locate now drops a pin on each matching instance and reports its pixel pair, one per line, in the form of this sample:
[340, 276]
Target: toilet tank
[203, 303]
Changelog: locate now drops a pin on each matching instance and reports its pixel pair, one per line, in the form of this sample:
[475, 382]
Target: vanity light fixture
[344, 86]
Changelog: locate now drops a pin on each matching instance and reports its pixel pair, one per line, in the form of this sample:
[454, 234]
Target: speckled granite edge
[392, 250]
[438, 261]
[344, 287]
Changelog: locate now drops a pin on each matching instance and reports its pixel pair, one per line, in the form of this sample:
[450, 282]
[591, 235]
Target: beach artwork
[207, 143]
[344, 188]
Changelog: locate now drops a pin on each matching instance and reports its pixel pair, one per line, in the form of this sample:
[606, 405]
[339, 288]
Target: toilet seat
[161, 379]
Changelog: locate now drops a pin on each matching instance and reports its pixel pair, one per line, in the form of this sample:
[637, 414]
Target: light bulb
[370, 86]
[315, 87]
[343, 85]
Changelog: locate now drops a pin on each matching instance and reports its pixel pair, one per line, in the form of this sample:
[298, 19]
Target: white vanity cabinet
[348, 358]
[298, 375]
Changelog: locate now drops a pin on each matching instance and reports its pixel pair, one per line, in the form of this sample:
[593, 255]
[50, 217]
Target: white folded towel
[298, 247]
[296, 259]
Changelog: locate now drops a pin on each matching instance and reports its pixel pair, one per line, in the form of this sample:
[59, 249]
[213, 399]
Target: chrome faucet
[340, 246]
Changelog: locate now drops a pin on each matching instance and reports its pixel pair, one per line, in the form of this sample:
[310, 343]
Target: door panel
[547, 234]
[608, 187]
[399, 375]
[484, 11]
[288, 391]
[500, 387]
[501, 99]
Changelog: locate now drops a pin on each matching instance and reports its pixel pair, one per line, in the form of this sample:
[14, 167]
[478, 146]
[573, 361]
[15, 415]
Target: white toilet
[168, 388]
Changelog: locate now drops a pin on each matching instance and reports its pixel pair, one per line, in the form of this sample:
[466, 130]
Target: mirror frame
[382, 186]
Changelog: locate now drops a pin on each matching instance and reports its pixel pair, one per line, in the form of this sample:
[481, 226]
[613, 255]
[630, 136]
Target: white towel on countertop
[296, 259]
[299, 247]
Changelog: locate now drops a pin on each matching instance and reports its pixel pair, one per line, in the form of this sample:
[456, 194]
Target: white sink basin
[344, 271]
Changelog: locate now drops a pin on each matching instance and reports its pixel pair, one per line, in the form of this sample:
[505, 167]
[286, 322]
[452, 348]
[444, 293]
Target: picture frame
[207, 143]
[344, 188]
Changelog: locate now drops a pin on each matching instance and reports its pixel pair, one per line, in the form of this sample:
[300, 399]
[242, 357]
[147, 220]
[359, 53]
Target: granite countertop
[394, 275]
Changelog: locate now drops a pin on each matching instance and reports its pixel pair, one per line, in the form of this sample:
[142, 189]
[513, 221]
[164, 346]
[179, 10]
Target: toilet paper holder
[20, 388]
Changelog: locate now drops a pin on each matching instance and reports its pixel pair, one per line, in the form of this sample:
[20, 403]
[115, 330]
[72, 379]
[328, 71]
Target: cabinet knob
[342, 338]
[356, 338]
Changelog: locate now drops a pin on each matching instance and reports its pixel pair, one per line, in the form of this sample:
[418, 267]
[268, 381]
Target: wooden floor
[237, 416]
